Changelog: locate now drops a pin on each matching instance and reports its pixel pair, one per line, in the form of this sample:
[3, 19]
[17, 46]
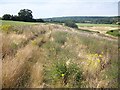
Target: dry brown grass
[27, 60]
[16, 66]
[42, 45]
[0, 61]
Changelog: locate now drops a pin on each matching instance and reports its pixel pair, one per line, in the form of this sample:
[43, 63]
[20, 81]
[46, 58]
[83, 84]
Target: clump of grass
[60, 37]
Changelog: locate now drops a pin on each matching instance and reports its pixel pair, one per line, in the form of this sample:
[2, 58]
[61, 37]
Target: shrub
[71, 24]
[6, 17]
[66, 74]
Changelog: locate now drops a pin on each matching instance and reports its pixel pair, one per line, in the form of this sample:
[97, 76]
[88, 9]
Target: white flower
[68, 62]
[79, 55]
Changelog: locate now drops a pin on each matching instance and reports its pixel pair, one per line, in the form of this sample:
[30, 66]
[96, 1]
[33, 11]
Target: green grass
[113, 32]
[91, 25]
[6, 22]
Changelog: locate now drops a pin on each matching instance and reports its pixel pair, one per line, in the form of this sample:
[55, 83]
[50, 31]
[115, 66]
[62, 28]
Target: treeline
[23, 15]
[86, 19]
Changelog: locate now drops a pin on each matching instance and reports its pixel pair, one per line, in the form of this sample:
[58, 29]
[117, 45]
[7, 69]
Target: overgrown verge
[114, 33]
[53, 57]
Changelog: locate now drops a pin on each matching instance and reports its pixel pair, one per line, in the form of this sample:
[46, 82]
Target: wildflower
[79, 55]
[102, 52]
[98, 61]
[62, 46]
[96, 54]
[95, 64]
[68, 62]
[62, 75]
[100, 55]
[52, 39]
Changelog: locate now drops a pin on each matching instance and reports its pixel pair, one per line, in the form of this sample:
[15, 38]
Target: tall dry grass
[30, 61]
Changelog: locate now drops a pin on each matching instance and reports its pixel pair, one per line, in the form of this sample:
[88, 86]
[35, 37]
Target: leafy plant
[67, 74]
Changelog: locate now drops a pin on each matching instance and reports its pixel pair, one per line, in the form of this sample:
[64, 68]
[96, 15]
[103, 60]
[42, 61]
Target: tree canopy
[6, 17]
[25, 15]
[71, 24]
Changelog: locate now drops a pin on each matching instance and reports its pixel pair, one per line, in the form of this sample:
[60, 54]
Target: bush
[6, 17]
[66, 74]
[71, 24]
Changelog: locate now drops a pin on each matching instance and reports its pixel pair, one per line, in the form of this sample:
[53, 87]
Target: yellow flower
[98, 61]
[68, 62]
[63, 75]
[96, 54]
[100, 55]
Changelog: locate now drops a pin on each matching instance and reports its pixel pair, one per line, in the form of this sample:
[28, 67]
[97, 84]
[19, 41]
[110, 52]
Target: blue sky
[58, 8]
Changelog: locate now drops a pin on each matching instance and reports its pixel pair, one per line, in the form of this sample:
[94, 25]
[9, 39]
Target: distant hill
[85, 19]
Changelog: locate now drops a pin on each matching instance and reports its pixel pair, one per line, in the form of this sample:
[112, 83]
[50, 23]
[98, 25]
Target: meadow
[7, 22]
[53, 56]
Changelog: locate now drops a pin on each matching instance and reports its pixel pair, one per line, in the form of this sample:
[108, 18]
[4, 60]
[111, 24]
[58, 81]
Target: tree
[71, 24]
[15, 18]
[25, 15]
[6, 17]
[39, 20]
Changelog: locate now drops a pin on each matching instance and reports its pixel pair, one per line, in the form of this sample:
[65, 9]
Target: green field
[113, 32]
[5, 22]
[91, 25]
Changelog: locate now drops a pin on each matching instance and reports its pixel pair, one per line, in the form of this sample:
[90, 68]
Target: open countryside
[63, 52]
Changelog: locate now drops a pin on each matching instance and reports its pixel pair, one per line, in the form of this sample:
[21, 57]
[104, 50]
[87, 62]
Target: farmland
[91, 25]
[16, 23]
[40, 55]
[101, 28]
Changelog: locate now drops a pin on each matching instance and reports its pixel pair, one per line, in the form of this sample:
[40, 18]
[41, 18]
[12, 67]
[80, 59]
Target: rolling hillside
[52, 56]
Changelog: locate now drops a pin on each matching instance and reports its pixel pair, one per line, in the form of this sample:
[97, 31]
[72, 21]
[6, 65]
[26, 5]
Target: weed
[65, 75]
